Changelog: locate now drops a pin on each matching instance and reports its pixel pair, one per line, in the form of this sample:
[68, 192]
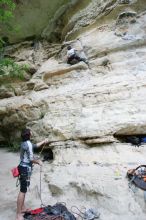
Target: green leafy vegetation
[42, 115]
[6, 14]
[11, 70]
[8, 68]
[6, 10]
[13, 146]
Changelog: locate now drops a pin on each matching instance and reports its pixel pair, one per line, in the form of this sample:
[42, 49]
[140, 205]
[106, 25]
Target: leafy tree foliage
[6, 13]
[8, 68]
[6, 10]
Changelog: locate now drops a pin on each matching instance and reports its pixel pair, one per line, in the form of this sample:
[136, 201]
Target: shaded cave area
[10, 137]
[12, 142]
[47, 154]
[136, 140]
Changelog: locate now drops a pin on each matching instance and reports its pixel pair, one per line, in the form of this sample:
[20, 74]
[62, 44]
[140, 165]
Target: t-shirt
[70, 52]
[26, 152]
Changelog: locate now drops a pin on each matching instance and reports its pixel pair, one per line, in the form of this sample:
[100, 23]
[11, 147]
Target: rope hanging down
[40, 194]
[40, 191]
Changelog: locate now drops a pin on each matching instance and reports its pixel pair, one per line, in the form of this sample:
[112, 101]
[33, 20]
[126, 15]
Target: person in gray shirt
[25, 168]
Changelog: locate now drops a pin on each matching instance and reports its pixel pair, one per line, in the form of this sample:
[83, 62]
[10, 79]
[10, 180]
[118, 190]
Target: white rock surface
[81, 177]
[79, 109]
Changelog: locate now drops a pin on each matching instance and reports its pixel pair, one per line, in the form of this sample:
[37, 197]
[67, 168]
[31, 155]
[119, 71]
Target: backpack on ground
[57, 212]
[138, 177]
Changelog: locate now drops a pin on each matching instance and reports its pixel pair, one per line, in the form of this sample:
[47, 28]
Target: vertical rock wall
[80, 108]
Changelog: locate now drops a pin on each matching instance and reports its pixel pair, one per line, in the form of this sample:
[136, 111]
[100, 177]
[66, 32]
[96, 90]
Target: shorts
[24, 178]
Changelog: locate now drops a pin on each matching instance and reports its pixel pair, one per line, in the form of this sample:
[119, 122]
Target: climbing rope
[78, 212]
[42, 150]
[131, 185]
[40, 193]
[87, 214]
[40, 190]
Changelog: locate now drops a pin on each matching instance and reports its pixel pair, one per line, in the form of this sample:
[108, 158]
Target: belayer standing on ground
[72, 55]
[25, 168]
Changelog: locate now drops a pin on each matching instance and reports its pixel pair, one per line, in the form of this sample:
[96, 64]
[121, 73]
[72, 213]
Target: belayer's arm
[41, 143]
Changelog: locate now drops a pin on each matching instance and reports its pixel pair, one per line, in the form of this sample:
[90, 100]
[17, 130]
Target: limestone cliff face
[80, 107]
[33, 18]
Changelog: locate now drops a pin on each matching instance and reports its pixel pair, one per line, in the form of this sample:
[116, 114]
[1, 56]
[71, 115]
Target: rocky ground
[90, 178]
